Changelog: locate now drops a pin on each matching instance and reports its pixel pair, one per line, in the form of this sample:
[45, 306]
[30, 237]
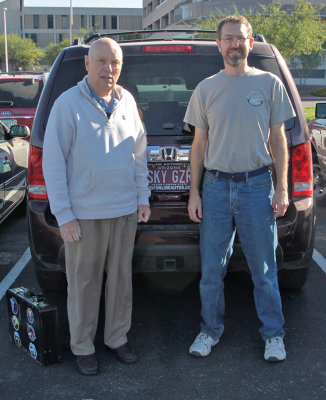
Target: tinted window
[23, 94]
[161, 84]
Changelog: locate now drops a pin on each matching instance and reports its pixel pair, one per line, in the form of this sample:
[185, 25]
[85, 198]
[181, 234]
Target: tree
[22, 53]
[53, 49]
[305, 63]
[297, 32]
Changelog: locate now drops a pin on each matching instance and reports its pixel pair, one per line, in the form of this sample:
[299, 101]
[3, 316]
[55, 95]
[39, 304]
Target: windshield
[23, 94]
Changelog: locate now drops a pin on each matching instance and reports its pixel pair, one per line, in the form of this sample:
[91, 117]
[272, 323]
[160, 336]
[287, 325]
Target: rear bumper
[174, 247]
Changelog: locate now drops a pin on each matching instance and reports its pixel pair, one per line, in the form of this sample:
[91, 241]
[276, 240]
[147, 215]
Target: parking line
[14, 272]
[319, 259]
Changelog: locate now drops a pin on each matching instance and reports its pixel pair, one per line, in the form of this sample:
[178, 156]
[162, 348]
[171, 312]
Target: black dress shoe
[124, 353]
[87, 365]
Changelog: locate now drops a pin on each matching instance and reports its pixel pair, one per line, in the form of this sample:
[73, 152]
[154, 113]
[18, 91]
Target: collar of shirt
[100, 100]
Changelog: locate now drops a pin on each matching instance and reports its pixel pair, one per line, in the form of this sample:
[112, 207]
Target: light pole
[71, 21]
[5, 33]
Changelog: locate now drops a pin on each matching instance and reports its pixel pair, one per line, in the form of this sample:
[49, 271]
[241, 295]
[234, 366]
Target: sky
[86, 3]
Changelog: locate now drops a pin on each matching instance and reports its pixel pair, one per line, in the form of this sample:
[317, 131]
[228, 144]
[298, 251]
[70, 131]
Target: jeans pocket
[208, 178]
[262, 180]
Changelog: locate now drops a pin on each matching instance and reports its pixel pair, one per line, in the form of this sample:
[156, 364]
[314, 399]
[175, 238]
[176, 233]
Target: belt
[239, 176]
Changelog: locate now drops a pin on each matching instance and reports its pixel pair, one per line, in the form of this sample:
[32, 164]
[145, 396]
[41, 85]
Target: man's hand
[71, 232]
[280, 202]
[144, 213]
[195, 207]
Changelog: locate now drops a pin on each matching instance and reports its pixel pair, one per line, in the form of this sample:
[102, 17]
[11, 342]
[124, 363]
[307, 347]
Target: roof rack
[95, 36]
[121, 36]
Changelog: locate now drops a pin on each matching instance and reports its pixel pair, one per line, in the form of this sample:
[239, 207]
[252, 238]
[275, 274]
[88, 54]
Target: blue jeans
[246, 207]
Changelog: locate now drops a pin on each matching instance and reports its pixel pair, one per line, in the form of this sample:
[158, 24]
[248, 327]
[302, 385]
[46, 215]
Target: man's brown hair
[234, 19]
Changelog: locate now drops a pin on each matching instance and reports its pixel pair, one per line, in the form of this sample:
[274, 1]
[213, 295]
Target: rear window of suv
[161, 84]
[22, 93]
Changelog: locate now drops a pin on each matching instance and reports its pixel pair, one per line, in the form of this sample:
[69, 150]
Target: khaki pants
[106, 245]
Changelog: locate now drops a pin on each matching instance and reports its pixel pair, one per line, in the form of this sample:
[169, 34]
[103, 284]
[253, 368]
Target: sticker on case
[17, 339]
[30, 315]
[31, 333]
[14, 305]
[32, 351]
[15, 322]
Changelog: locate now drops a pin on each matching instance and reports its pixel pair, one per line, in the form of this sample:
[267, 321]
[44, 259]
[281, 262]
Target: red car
[19, 96]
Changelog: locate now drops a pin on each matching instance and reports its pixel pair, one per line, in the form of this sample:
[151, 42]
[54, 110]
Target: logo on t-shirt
[255, 99]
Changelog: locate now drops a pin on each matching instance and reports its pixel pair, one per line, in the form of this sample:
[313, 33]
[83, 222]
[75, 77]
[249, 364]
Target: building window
[104, 21]
[312, 74]
[50, 21]
[60, 37]
[114, 22]
[172, 17]
[36, 21]
[165, 21]
[34, 37]
[93, 21]
[82, 21]
[21, 22]
[64, 21]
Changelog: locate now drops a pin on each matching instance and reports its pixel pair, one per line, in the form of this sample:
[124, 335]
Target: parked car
[162, 74]
[13, 167]
[317, 131]
[19, 95]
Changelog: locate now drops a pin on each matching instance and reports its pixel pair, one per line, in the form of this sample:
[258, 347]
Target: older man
[94, 162]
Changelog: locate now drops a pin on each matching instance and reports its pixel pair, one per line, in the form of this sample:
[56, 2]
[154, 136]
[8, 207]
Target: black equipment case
[33, 324]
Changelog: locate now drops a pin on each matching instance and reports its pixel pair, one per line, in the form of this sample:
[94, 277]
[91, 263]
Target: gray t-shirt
[237, 111]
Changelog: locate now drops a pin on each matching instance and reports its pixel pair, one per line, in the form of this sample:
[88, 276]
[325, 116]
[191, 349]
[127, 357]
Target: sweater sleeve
[57, 144]
[141, 170]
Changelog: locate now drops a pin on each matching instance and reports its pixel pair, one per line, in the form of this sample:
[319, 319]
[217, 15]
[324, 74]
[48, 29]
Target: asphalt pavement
[164, 325]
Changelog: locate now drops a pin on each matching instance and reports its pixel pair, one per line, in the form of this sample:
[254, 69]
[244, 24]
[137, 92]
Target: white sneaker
[202, 345]
[274, 349]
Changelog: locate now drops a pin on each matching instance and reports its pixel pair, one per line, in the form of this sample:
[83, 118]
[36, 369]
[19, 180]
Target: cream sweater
[94, 167]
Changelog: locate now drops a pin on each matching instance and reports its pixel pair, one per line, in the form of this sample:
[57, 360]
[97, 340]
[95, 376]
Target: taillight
[302, 177]
[36, 183]
[168, 48]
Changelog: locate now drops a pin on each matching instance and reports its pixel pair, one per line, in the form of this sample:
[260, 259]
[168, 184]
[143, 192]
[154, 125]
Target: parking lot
[164, 325]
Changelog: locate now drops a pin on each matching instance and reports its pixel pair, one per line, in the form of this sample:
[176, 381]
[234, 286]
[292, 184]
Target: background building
[52, 24]
[160, 14]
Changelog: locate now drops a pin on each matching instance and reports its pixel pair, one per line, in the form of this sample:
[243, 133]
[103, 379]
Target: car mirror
[19, 131]
[320, 110]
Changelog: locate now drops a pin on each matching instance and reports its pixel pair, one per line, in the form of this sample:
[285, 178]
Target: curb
[313, 99]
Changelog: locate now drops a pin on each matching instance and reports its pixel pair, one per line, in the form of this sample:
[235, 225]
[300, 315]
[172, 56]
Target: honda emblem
[168, 153]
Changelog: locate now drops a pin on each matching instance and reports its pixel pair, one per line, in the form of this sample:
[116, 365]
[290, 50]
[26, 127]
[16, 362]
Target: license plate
[171, 176]
[9, 122]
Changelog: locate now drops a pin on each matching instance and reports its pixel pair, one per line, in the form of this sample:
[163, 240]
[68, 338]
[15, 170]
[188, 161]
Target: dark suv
[162, 74]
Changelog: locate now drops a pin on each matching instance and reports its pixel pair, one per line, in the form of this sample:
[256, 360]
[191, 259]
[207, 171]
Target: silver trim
[15, 116]
[17, 176]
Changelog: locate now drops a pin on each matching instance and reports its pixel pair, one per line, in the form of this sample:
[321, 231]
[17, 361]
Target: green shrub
[319, 92]
[309, 113]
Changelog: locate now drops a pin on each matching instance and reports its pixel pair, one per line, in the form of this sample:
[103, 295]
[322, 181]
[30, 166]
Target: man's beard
[236, 59]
